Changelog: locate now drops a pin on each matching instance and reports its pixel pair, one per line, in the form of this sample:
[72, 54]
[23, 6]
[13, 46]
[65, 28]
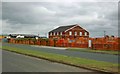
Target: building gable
[66, 28]
[62, 28]
[77, 27]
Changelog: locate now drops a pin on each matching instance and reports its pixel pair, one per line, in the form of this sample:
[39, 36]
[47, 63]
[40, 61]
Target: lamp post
[104, 33]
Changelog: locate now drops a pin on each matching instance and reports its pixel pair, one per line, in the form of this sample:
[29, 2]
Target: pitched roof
[63, 28]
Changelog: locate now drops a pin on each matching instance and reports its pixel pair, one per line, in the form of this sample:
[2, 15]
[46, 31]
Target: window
[75, 33]
[51, 34]
[85, 33]
[57, 33]
[60, 33]
[70, 33]
[80, 33]
[54, 33]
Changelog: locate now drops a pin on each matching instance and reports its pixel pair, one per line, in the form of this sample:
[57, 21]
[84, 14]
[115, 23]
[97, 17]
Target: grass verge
[94, 51]
[74, 61]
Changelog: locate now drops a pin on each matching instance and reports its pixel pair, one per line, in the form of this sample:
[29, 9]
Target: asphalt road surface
[87, 55]
[13, 62]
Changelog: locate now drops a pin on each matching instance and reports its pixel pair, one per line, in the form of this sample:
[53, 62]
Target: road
[13, 62]
[87, 55]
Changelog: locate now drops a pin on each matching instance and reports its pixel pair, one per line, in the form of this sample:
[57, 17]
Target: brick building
[70, 31]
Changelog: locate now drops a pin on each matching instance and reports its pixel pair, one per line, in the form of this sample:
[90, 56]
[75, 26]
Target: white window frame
[60, 33]
[57, 33]
[85, 33]
[80, 33]
[51, 34]
[70, 32]
[54, 33]
[75, 33]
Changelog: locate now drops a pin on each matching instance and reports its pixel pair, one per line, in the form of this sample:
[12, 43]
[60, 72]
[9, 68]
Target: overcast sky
[41, 17]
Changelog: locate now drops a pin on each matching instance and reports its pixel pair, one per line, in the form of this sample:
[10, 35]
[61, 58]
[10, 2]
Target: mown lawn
[94, 51]
[79, 62]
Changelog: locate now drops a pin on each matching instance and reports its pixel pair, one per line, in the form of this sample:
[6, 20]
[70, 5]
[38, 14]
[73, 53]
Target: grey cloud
[41, 17]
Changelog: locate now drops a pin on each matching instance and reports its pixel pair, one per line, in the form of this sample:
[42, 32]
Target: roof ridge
[67, 25]
[63, 28]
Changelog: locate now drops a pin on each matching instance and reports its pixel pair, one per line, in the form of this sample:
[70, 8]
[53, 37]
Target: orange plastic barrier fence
[97, 43]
